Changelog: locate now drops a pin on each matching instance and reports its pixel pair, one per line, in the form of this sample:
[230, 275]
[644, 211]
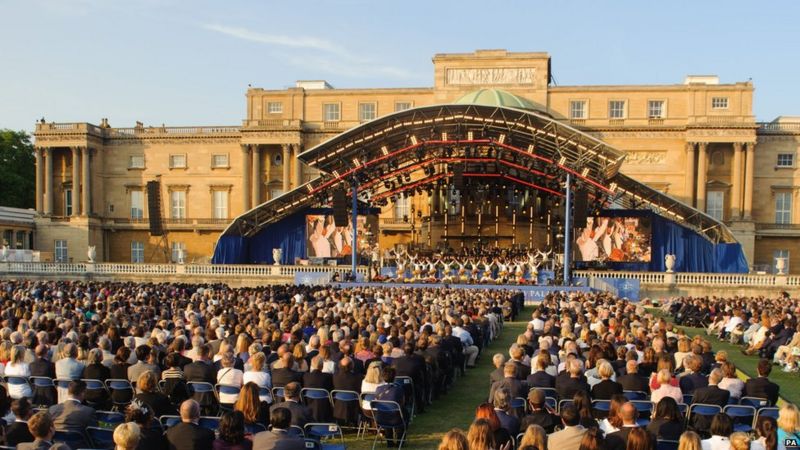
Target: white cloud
[322, 54]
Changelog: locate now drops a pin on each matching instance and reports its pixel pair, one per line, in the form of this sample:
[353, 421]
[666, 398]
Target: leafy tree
[17, 170]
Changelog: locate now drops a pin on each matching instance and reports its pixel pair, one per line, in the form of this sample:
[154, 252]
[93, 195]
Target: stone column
[76, 185]
[298, 166]
[48, 181]
[689, 187]
[287, 161]
[257, 181]
[267, 172]
[736, 194]
[246, 178]
[39, 178]
[748, 179]
[702, 174]
[86, 160]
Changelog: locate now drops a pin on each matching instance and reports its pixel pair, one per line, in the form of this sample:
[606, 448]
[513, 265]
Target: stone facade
[696, 140]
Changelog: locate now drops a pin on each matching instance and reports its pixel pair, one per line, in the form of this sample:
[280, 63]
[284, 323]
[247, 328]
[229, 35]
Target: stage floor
[533, 294]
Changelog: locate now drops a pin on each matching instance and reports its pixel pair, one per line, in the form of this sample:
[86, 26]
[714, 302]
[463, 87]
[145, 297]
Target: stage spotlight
[408, 177]
[387, 185]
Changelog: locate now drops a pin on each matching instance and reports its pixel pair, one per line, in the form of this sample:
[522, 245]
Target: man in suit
[540, 414]
[286, 374]
[631, 381]
[570, 437]
[517, 354]
[569, 385]
[278, 437]
[144, 363]
[761, 386]
[189, 435]
[412, 365]
[41, 365]
[201, 370]
[540, 377]
[69, 367]
[499, 360]
[41, 427]
[515, 387]
[618, 440]
[709, 395]
[301, 414]
[71, 414]
[692, 379]
[345, 380]
[18, 431]
[317, 379]
[502, 407]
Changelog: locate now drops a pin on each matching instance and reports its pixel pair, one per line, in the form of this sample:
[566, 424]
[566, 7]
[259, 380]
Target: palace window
[177, 161]
[366, 111]
[785, 160]
[577, 109]
[655, 109]
[220, 161]
[61, 250]
[136, 162]
[331, 112]
[137, 252]
[616, 109]
[67, 202]
[401, 208]
[137, 204]
[780, 254]
[719, 103]
[178, 252]
[783, 207]
[275, 108]
[715, 204]
[21, 240]
[401, 106]
[178, 202]
[220, 204]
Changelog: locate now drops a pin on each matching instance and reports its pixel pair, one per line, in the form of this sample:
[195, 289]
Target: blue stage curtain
[230, 250]
[730, 258]
[289, 235]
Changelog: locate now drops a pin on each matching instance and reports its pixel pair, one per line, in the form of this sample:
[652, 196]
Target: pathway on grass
[457, 408]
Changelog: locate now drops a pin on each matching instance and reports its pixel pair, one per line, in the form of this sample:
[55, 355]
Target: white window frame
[68, 203]
[331, 116]
[719, 102]
[402, 207]
[651, 103]
[408, 105]
[175, 247]
[584, 111]
[623, 112]
[216, 165]
[137, 211]
[715, 210]
[136, 162]
[137, 251]
[362, 109]
[274, 107]
[174, 156]
[60, 251]
[219, 203]
[781, 162]
[783, 207]
[177, 202]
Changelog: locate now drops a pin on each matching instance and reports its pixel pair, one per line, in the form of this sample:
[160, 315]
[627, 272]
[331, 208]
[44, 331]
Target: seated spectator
[761, 386]
[17, 431]
[721, 429]
[632, 381]
[665, 362]
[712, 394]
[540, 377]
[534, 436]
[567, 386]
[583, 404]
[481, 437]
[667, 422]
[499, 361]
[515, 387]
[372, 380]
[730, 381]
[613, 422]
[41, 427]
[690, 441]
[250, 405]
[150, 436]
[301, 414]
[230, 376]
[127, 436]
[606, 388]
[502, 407]
[570, 437]
[455, 439]
[189, 435]
[278, 436]
[145, 361]
[119, 368]
[593, 440]
[16, 366]
[540, 414]
[665, 389]
[692, 378]
[257, 375]
[160, 404]
[740, 441]
[767, 433]
[618, 440]
[231, 433]
[486, 411]
[788, 425]
[71, 414]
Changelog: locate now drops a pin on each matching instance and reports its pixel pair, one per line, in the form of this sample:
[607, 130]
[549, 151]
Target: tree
[17, 170]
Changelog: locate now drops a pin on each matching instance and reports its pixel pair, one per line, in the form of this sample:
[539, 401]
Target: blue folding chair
[635, 395]
[551, 402]
[563, 403]
[407, 383]
[389, 418]
[209, 422]
[743, 417]
[169, 421]
[755, 402]
[98, 388]
[122, 392]
[664, 444]
[265, 394]
[601, 408]
[62, 386]
[254, 428]
[72, 438]
[645, 409]
[205, 395]
[768, 412]
[518, 404]
[311, 444]
[325, 432]
[14, 380]
[296, 431]
[44, 391]
[684, 409]
[278, 394]
[688, 398]
[702, 409]
[109, 419]
[227, 389]
[548, 392]
[101, 437]
[353, 408]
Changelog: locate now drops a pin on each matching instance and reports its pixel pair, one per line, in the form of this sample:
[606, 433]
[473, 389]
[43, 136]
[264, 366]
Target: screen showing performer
[325, 240]
[614, 239]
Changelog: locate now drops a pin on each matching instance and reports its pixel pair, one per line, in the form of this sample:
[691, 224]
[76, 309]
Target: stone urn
[4, 253]
[780, 264]
[91, 253]
[277, 254]
[669, 262]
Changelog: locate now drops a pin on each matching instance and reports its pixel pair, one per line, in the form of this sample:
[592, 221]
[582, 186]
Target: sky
[187, 63]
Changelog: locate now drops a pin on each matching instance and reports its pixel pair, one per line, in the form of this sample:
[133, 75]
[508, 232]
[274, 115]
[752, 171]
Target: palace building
[696, 141]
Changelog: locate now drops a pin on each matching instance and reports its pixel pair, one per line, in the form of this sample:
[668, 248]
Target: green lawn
[457, 408]
[789, 382]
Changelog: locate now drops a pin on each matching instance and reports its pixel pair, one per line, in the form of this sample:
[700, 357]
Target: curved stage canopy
[486, 134]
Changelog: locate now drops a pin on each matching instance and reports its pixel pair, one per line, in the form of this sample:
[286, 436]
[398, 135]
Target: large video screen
[614, 239]
[325, 240]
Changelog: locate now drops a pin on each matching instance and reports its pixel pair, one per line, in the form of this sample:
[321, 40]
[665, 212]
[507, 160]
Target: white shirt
[716, 443]
[18, 370]
[538, 324]
[464, 335]
[232, 377]
[735, 320]
[262, 379]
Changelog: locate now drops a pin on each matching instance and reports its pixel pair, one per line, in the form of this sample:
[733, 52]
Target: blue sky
[189, 62]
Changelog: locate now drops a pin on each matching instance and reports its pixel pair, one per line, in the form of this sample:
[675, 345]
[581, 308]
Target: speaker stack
[154, 208]
[340, 208]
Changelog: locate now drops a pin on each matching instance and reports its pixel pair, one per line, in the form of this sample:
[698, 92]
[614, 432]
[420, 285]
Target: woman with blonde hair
[243, 342]
[372, 380]
[740, 441]
[690, 441]
[480, 436]
[251, 406]
[684, 349]
[454, 439]
[300, 354]
[534, 436]
[665, 389]
[147, 385]
[126, 436]
[731, 382]
[258, 376]
[788, 425]
[19, 368]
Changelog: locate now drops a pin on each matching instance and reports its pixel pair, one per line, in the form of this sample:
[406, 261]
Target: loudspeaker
[579, 206]
[458, 178]
[340, 208]
[154, 208]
